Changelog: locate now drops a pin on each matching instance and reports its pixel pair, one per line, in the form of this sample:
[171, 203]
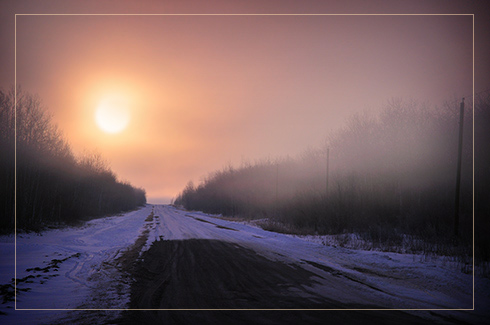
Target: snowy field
[80, 268]
[64, 268]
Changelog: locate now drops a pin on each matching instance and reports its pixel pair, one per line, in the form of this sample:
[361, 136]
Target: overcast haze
[205, 91]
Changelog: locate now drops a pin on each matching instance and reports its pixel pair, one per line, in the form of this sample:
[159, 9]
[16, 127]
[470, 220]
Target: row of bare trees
[49, 184]
[394, 171]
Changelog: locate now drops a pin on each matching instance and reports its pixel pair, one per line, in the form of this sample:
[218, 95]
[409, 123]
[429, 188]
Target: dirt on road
[224, 276]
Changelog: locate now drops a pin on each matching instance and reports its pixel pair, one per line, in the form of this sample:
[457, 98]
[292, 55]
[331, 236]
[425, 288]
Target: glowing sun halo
[112, 115]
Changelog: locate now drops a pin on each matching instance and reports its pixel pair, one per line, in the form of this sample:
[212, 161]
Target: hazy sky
[205, 91]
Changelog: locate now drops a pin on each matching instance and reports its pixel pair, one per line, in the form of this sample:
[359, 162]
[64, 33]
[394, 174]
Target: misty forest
[52, 185]
[389, 178]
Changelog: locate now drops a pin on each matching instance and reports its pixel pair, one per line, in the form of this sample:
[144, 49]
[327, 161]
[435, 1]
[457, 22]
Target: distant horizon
[158, 200]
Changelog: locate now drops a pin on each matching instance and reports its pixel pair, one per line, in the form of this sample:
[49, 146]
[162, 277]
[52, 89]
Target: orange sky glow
[207, 91]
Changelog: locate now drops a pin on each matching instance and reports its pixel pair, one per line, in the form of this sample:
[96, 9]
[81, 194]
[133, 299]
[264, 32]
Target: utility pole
[277, 191]
[458, 173]
[326, 188]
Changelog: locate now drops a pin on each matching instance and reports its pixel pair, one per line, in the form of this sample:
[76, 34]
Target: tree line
[390, 174]
[39, 172]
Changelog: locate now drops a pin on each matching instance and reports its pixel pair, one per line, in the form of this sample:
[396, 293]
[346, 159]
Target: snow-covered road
[83, 268]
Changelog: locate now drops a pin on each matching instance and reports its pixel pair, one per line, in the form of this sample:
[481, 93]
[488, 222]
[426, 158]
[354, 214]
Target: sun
[112, 114]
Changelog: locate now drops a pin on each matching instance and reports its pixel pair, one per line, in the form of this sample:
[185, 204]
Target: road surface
[200, 262]
[164, 265]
